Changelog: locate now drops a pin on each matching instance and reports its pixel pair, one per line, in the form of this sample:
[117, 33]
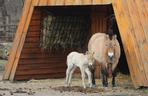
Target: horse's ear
[86, 52]
[107, 36]
[114, 37]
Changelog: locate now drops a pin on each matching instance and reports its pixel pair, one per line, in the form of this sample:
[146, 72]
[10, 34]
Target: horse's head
[90, 58]
[110, 52]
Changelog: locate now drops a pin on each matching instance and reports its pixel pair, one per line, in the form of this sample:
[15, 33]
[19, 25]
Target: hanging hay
[64, 32]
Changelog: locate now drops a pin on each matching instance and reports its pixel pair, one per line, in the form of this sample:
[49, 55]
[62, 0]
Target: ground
[55, 87]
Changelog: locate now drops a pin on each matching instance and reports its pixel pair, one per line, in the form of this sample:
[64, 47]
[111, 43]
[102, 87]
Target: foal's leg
[89, 76]
[68, 71]
[83, 76]
[71, 72]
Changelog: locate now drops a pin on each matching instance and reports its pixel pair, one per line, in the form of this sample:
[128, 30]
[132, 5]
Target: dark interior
[86, 11]
[123, 65]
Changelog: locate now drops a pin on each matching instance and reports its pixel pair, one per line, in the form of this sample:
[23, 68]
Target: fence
[7, 32]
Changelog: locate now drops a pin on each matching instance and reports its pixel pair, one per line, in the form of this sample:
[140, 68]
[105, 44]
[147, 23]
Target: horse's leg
[92, 69]
[113, 78]
[71, 72]
[83, 76]
[104, 78]
[88, 72]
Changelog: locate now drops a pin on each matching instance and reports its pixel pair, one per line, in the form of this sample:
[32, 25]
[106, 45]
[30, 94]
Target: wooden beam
[60, 2]
[139, 27]
[130, 46]
[43, 3]
[16, 41]
[51, 2]
[23, 36]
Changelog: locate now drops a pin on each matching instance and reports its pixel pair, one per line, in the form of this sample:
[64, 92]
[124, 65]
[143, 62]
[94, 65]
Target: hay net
[64, 32]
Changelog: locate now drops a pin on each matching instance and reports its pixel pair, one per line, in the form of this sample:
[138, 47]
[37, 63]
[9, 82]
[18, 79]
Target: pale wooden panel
[77, 2]
[145, 5]
[101, 2]
[43, 3]
[60, 2]
[69, 2]
[129, 44]
[139, 37]
[139, 25]
[97, 1]
[143, 14]
[17, 38]
[22, 40]
[86, 2]
[51, 2]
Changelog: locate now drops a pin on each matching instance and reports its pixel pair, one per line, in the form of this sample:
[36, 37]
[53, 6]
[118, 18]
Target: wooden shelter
[27, 60]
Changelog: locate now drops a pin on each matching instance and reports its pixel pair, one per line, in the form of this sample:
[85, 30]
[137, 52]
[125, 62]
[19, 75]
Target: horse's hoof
[84, 87]
[105, 85]
[114, 86]
[93, 86]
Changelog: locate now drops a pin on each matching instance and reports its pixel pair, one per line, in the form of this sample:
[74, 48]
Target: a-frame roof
[132, 19]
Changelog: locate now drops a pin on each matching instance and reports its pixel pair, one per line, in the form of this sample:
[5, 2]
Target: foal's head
[90, 57]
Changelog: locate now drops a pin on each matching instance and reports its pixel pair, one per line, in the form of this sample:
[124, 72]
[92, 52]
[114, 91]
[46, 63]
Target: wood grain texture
[131, 28]
[22, 40]
[17, 38]
[132, 20]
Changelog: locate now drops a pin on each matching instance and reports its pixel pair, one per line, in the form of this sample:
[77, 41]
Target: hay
[64, 32]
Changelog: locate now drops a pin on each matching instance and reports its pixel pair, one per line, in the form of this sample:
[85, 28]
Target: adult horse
[106, 53]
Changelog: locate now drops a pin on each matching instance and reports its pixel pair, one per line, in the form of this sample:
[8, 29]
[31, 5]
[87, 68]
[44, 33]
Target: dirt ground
[55, 87]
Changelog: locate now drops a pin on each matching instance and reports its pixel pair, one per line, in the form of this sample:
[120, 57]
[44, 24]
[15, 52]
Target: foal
[83, 61]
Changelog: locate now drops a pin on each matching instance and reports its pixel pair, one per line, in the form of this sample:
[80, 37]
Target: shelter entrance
[53, 32]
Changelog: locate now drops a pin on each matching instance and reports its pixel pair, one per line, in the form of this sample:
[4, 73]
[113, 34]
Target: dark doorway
[112, 24]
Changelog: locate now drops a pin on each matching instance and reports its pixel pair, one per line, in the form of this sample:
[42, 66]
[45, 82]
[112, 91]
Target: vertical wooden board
[77, 2]
[92, 23]
[121, 20]
[69, 2]
[139, 37]
[51, 2]
[136, 67]
[43, 3]
[60, 2]
[146, 5]
[107, 1]
[104, 24]
[22, 40]
[125, 28]
[17, 38]
[143, 14]
[97, 2]
[86, 2]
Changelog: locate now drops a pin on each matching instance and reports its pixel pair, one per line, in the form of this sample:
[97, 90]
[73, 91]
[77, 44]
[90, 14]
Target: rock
[5, 50]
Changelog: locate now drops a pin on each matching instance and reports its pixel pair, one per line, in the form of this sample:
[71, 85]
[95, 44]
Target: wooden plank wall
[99, 19]
[30, 61]
[72, 2]
[132, 19]
[35, 63]
[99, 25]
[18, 36]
